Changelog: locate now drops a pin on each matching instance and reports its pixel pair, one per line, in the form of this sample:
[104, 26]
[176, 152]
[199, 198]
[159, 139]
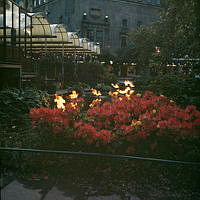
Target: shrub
[16, 103]
[93, 74]
[133, 124]
[79, 87]
[182, 89]
[103, 88]
[15, 126]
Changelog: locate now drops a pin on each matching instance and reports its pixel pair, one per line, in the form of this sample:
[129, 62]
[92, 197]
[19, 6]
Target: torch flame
[113, 94]
[60, 102]
[127, 96]
[74, 105]
[95, 92]
[124, 91]
[129, 83]
[96, 101]
[131, 92]
[116, 86]
[74, 95]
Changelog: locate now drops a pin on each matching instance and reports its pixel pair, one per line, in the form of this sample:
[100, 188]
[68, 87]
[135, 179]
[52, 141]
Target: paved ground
[17, 190]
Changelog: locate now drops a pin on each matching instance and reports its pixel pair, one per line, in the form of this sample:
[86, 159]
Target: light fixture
[84, 15]
[106, 18]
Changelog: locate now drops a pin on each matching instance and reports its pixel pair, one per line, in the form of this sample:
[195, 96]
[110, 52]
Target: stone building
[107, 22]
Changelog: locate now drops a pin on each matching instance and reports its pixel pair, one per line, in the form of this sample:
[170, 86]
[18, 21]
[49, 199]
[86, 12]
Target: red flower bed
[122, 121]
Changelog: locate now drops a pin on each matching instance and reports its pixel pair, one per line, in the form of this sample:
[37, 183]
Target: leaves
[16, 103]
[177, 33]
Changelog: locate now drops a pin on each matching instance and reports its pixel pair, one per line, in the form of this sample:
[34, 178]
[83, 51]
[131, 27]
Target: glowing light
[131, 92]
[157, 49]
[138, 95]
[60, 102]
[116, 86]
[96, 101]
[129, 83]
[128, 96]
[127, 89]
[113, 94]
[95, 92]
[154, 111]
[74, 95]
[74, 105]
[137, 123]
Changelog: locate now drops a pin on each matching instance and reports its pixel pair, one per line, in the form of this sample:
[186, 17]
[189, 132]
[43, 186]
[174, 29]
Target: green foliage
[79, 87]
[106, 57]
[143, 40]
[182, 89]
[103, 88]
[93, 74]
[16, 103]
[15, 125]
[178, 28]
[177, 33]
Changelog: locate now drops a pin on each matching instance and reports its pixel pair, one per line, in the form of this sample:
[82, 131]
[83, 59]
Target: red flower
[77, 124]
[105, 136]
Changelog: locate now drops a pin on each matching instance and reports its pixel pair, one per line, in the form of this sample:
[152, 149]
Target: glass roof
[33, 31]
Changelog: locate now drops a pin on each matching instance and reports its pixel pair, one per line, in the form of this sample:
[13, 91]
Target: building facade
[106, 22]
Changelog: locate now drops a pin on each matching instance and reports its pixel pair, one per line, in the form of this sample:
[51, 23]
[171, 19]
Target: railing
[28, 172]
[14, 22]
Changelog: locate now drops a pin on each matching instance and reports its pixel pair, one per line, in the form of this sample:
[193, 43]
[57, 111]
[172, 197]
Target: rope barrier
[101, 155]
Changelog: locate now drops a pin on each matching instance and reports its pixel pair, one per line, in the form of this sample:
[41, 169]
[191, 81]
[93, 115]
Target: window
[99, 36]
[61, 19]
[139, 23]
[124, 22]
[90, 35]
[123, 41]
[95, 12]
[34, 3]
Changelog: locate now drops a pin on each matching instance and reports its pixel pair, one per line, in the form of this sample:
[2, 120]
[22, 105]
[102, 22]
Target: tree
[178, 28]
[177, 33]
